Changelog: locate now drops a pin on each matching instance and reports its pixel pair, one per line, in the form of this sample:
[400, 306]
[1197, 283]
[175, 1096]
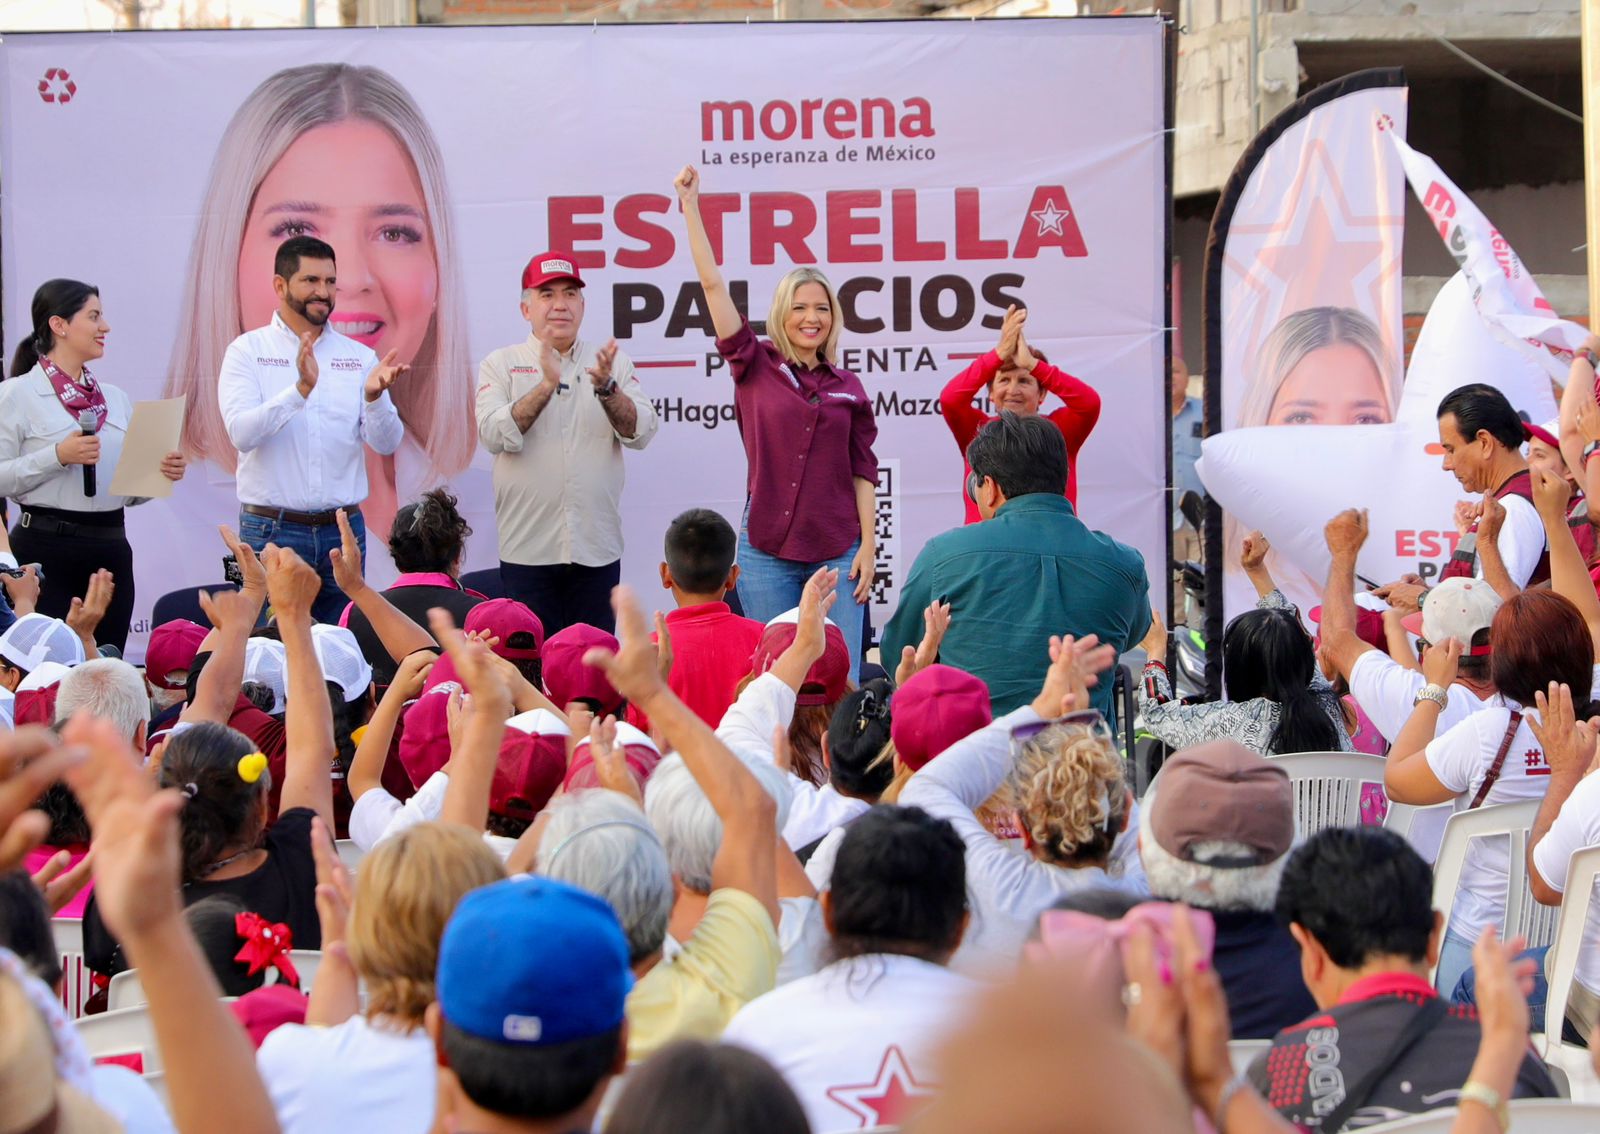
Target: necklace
[220, 863]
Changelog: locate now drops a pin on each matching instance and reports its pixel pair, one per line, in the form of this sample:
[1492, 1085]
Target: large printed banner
[1303, 319]
[166, 167]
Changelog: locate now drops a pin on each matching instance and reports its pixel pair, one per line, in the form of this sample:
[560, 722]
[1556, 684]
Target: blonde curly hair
[1070, 794]
[406, 890]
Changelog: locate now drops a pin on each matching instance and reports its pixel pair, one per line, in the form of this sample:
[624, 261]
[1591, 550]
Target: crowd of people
[720, 867]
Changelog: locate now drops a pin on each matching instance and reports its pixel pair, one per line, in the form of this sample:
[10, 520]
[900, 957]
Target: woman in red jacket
[1017, 379]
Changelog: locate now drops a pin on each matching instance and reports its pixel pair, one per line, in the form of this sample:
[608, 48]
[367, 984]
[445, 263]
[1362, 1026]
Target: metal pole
[1591, 124]
[310, 13]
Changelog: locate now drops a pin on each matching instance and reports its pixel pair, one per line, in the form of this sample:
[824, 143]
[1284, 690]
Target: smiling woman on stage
[808, 430]
[46, 442]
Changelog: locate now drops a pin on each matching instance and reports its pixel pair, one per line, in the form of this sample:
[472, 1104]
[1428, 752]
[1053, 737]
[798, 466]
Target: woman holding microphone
[808, 430]
[56, 421]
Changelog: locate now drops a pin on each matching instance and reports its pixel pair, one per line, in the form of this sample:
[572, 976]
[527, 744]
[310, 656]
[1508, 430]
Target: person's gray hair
[689, 827]
[601, 842]
[1214, 888]
[109, 688]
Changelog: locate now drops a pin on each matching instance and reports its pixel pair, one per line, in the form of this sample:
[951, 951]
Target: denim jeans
[768, 586]
[312, 544]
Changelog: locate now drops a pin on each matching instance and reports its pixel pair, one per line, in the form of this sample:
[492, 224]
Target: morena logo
[57, 86]
[837, 118]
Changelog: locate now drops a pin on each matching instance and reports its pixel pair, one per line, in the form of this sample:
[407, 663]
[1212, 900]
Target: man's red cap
[173, 646]
[504, 618]
[827, 680]
[548, 267]
[638, 750]
[568, 679]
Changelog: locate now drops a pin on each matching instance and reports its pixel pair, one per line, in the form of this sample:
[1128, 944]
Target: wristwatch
[1431, 692]
[1588, 356]
[607, 390]
[1489, 1098]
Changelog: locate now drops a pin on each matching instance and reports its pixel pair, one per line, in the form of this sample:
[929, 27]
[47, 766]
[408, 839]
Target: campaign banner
[165, 167]
[1302, 318]
[1504, 292]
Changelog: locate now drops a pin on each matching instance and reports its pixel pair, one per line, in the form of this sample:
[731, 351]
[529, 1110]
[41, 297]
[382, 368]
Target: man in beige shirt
[556, 412]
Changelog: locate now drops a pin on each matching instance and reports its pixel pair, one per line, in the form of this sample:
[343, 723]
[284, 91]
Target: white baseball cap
[35, 639]
[264, 663]
[341, 659]
[1457, 608]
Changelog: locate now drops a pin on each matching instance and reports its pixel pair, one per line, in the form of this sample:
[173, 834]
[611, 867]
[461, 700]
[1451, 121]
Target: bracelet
[1588, 356]
[1156, 663]
[1488, 1098]
[1232, 1087]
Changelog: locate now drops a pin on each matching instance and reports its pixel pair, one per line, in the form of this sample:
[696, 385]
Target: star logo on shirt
[888, 1098]
[1049, 219]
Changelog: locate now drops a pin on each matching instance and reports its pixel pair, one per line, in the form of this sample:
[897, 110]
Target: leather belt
[286, 515]
[40, 524]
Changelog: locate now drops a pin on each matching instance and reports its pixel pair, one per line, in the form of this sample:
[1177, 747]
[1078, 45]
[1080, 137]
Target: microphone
[88, 422]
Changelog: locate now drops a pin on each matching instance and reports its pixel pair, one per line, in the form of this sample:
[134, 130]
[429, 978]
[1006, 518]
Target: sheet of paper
[153, 432]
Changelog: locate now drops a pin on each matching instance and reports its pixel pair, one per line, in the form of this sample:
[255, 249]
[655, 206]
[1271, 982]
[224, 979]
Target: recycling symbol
[57, 86]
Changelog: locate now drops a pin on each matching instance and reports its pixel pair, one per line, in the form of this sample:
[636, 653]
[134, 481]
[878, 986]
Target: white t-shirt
[1521, 541]
[352, 1076]
[377, 815]
[125, 1095]
[1461, 758]
[854, 1040]
[1387, 692]
[1576, 827]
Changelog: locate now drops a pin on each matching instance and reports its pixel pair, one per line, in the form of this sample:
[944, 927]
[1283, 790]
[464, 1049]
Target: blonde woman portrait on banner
[341, 153]
[1317, 366]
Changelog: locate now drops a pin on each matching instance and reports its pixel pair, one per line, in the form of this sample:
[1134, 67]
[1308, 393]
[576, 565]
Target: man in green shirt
[1029, 570]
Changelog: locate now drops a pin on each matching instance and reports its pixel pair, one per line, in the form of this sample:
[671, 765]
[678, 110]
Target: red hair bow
[266, 944]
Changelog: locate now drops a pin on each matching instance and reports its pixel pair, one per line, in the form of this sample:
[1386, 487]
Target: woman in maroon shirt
[808, 430]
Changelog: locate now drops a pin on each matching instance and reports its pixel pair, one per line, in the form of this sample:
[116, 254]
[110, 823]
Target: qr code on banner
[884, 584]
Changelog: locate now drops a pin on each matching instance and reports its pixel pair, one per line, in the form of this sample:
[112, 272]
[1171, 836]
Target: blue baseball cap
[533, 961]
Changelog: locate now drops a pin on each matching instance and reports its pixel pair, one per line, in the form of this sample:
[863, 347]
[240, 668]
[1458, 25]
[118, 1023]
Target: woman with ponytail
[1277, 700]
[56, 420]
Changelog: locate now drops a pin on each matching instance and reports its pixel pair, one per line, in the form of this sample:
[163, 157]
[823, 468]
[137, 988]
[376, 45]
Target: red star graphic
[887, 1099]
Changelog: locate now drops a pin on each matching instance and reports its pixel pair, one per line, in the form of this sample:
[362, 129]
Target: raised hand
[346, 559]
[1491, 516]
[382, 376]
[292, 584]
[59, 881]
[600, 372]
[1440, 663]
[549, 366]
[1346, 532]
[1568, 743]
[1155, 638]
[135, 828]
[913, 660]
[412, 672]
[1010, 332]
[335, 891]
[632, 669]
[85, 613]
[1550, 494]
[1253, 552]
[306, 363]
[664, 654]
[610, 760]
[255, 575]
[687, 183]
[474, 663]
[230, 608]
[1075, 665]
[30, 761]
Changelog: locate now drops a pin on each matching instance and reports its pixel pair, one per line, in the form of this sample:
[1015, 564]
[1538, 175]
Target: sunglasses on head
[1085, 718]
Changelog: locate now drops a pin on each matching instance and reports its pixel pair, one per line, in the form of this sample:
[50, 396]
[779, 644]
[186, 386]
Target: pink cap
[425, 739]
[173, 646]
[533, 758]
[827, 680]
[263, 1010]
[934, 709]
[567, 678]
[1369, 624]
[639, 750]
[511, 622]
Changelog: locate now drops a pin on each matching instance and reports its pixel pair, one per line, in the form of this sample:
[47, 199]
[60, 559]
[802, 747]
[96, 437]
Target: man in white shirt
[1482, 437]
[556, 413]
[298, 400]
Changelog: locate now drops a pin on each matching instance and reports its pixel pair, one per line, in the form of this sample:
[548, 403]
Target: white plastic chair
[1547, 1116]
[1570, 942]
[127, 992]
[128, 1032]
[1242, 1053]
[1327, 787]
[1511, 821]
[349, 854]
[77, 983]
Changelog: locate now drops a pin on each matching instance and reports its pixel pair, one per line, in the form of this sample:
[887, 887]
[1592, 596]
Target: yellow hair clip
[357, 735]
[251, 767]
